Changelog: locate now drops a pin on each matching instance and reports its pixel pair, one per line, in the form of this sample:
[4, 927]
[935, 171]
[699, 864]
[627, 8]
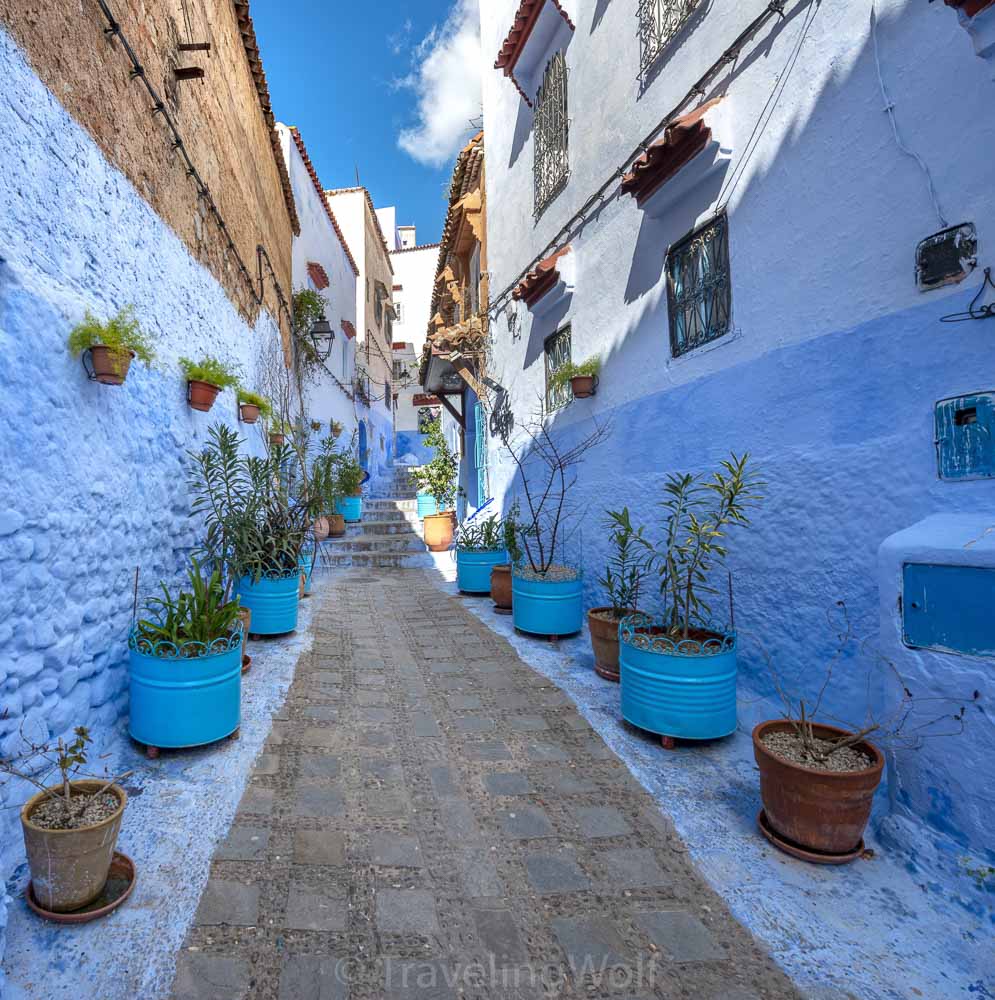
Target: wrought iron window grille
[557, 351]
[552, 131]
[699, 291]
[659, 22]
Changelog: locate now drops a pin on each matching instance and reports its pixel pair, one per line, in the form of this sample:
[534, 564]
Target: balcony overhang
[539, 28]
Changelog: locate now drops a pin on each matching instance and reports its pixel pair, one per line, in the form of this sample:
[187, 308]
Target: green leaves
[481, 536]
[439, 477]
[209, 369]
[629, 563]
[120, 333]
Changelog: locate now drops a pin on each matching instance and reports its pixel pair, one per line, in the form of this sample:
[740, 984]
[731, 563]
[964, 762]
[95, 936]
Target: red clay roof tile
[540, 279]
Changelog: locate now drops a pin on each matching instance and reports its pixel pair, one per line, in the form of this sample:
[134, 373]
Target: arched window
[551, 133]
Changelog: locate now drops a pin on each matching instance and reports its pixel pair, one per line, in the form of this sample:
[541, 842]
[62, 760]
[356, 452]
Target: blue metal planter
[307, 568]
[427, 504]
[273, 602]
[545, 607]
[183, 700]
[473, 569]
[351, 508]
[684, 689]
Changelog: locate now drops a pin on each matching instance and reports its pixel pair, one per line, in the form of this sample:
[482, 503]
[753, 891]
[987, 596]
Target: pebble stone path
[431, 819]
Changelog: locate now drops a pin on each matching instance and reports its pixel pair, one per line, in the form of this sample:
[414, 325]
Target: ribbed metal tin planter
[684, 689]
[185, 696]
[473, 569]
[351, 508]
[547, 607]
[307, 568]
[273, 601]
[427, 504]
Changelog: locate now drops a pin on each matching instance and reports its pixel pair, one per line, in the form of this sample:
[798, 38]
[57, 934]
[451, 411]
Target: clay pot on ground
[583, 386]
[603, 625]
[320, 529]
[248, 412]
[245, 617]
[110, 367]
[439, 530]
[825, 812]
[201, 395]
[69, 867]
[501, 587]
[336, 525]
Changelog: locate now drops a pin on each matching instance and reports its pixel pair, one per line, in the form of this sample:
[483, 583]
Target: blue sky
[363, 81]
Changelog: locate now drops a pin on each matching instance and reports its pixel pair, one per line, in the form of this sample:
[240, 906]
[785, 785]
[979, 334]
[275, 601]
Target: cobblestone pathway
[432, 819]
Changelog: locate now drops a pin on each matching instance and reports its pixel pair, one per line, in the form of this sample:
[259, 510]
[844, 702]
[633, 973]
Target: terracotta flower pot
[69, 867]
[604, 640]
[439, 529]
[201, 395]
[249, 412]
[336, 525]
[245, 616]
[110, 367]
[583, 386]
[823, 811]
[501, 587]
[277, 439]
[320, 529]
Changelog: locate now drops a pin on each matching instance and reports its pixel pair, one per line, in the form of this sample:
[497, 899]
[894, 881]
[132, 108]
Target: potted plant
[252, 406]
[279, 431]
[438, 479]
[501, 574]
[624, 574]
[678, 671]
[70, 828]
[111, 346]
[427, 504]
[349, 488]
[325, 481]
[546, 591]
[185, 666]
[205, 379]
[582, 378]
[479, 548]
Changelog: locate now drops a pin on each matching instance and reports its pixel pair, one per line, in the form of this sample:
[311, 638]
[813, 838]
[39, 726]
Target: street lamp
[322, 337]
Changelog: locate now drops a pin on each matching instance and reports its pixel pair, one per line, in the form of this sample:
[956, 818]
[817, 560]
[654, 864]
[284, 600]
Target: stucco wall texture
[834, 360]
[219, 118]
[94, 477]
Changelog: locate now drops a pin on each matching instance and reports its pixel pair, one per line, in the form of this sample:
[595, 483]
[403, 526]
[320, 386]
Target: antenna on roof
[357, 175]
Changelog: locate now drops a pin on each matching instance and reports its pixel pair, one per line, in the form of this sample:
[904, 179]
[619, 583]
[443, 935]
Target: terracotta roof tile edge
[541, 278]
[421, 246]
[522, 25]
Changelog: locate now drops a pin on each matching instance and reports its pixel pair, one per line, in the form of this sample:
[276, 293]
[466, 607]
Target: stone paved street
[432, 819]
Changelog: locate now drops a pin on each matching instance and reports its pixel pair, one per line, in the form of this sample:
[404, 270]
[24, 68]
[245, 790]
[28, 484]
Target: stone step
[375, 543]
[385, 526]
[380, 560]
[379, 504]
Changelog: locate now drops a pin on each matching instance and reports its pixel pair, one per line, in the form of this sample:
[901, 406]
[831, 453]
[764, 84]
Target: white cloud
[445, 76]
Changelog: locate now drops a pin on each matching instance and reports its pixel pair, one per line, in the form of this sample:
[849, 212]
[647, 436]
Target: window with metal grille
[699, 294]
[557, 350]
[551, 165]
[659, 21]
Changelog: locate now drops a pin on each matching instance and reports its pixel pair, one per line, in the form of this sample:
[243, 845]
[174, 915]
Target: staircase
[389, 536]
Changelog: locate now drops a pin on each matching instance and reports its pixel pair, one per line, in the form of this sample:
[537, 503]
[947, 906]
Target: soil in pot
[790, 747]
[110, 367]
[249, 413]
[201, 395]
[89, 810]
[603, 625]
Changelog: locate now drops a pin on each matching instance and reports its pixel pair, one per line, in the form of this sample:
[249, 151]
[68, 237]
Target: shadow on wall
[840, 425]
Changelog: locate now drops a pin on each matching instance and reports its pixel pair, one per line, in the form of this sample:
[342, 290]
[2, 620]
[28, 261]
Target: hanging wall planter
[252, 406]
[106, 350]
[273, 601]
[550, 605]
[205, 379]
[675, 687]
[201, 395]
[584, 386]
[582, 378]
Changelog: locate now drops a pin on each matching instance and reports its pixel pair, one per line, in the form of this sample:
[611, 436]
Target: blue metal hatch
[949, 608]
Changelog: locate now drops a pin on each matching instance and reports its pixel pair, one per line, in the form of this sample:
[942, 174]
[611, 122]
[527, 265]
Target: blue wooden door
[480, 452]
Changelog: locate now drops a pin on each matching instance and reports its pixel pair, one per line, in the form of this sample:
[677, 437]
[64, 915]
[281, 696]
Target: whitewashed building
[323, 262]
[759, 217]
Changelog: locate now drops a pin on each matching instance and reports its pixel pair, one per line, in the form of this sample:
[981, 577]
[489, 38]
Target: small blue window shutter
[480, 452]
[965, 437]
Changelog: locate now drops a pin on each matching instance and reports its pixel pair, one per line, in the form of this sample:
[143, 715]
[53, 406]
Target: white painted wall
[328, 395]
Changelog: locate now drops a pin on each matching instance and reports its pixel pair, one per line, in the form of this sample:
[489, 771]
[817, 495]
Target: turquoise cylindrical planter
[547, 607]
[682, 689]
[272, 601]
[351, 508]
[427, 504]
[307, 568]
[179, 701]
[473, 569]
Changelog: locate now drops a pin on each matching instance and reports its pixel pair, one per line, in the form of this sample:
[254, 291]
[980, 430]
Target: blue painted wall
[93, 482]
[413, 443]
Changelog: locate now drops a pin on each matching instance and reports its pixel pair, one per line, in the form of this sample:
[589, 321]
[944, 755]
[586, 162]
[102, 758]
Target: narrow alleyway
[430, 815]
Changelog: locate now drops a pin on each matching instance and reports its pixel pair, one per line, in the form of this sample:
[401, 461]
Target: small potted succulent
[252, 406]
[438, 479]
[582, 378]
[70, 828]
[624, 575]
[205, 379]
[479, 548]
[111, 346]
[501, 574]
[185, 666]
[279, 431]
[678, 671]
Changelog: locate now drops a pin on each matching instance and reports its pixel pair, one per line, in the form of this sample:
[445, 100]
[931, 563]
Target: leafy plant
[281, 426]
[562, 376]
[628, 564]
[201, 615]
[349, 480]
[309, 307]
[335, 428]
[700, 513]
[254, 399]
[439, 477]
[485, 535]
[325, 475]
[120, 334]
[210, 370]
[510, 529]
